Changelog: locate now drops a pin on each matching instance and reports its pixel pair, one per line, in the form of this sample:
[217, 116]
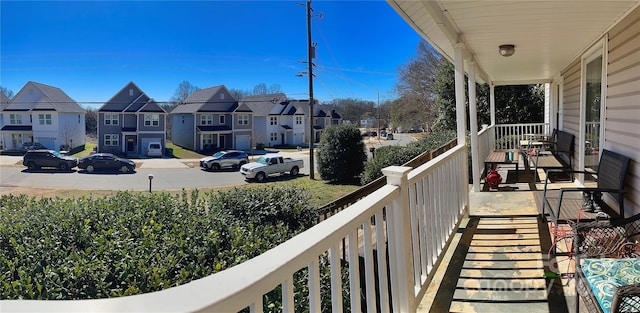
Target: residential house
[44, 114]
[129, 121]
[323, 116]
[4, 102]
[275, 120]
[211, 119]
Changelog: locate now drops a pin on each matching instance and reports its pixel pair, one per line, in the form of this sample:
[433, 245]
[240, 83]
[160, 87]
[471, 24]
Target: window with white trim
[221, 119]
[15, 119]
[207, 139]
[111, 119]
[243, 119]
[111, 140]
[44, 119]
[273, 120]
[274, 136]
[298, 120]
[152, 120]
[206, 119]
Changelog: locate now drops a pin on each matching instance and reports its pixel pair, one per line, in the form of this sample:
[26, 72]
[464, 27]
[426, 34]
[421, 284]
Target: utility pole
[311, 55]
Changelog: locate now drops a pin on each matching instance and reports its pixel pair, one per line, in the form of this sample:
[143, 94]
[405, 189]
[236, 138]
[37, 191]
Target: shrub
[397, 155]
[341, 154]
[133, 243]
[260, 146]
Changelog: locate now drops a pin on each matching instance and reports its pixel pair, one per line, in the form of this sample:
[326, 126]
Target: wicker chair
[607, 260]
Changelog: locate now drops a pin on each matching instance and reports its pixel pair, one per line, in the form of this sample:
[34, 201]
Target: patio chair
[567, 206]
[576, 203]
[608, 265]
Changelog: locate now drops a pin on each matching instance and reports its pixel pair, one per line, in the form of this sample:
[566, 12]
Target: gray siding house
[44, 114]
[211, 119]
[129, 121]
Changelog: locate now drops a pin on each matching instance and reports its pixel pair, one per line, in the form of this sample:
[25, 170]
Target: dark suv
[231, 158]
[36, 159]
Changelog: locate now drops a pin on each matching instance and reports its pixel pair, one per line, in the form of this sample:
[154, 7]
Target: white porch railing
[486, 145]
[508, 136]
[413, 216]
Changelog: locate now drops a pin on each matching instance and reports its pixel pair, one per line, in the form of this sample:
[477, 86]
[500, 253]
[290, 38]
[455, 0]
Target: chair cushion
[606, 275]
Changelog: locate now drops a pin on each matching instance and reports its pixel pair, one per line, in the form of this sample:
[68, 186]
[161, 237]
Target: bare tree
[7, 92]
[239, 94]
[274, 88]
[260, 89]
[183, 91]
[417, 100]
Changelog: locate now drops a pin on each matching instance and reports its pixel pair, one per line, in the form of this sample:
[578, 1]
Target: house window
[221, 120]
[273, 120]
[15, 119]
[243, 119]
[274, 136]
[298, 120]
[130, 92]
[207, 139]
[206, 119]
[111, 140]
[78, 118]
[44, 119]
[111, 119]
[222, 96]
[151, 119]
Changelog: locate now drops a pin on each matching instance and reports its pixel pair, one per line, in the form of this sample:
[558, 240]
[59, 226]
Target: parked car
[106, 162]
[270, 164]
[154, 149]
[389, 136]
[36, 159]
[33, 146]
[223, 159]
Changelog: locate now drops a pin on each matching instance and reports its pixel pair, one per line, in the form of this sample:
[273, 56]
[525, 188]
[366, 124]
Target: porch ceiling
[547, 35]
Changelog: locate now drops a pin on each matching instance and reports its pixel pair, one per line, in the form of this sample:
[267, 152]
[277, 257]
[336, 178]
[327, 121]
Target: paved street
[169, 174]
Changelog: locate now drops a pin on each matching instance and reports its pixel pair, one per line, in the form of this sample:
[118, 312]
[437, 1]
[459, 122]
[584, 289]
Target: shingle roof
[131, 99]
[202, 101]
[263, 105]
[214, 128]
[17, 127]
[52, 99]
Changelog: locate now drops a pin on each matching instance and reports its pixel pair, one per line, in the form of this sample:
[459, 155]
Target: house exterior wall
[259, 130]
[622, 104]
[183, 131]
[142, 127]
[104, 129]
[129, 120]
[623, 101]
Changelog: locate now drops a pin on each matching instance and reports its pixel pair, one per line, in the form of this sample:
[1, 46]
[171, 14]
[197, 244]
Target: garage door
[47, 142]
[243, 142]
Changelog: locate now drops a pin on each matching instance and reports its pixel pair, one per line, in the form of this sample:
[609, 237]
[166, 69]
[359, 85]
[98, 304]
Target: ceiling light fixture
[507, 50]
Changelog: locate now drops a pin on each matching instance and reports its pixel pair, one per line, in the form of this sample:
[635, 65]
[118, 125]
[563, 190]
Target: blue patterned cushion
[605, 275]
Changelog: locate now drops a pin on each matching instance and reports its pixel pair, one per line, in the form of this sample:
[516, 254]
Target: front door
[221, 141]
[131, 143]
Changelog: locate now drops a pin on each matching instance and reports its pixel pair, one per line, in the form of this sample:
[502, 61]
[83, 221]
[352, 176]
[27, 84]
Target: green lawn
[182, 153]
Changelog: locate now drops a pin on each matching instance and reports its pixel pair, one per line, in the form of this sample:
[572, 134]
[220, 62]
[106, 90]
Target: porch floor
[498, 261]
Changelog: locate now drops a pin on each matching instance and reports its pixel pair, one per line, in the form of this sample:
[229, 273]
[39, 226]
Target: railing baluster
[314, 286]
[354, 272]
[287, 295]
[415, 241]
[256, 306]
[368, 267]
[336, 278]
[422, 214]
[381, 244]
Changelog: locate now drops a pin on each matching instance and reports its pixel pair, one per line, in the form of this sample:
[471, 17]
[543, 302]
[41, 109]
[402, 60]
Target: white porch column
[492, 103]
[473, 119]
[400, 251]
[461, 118]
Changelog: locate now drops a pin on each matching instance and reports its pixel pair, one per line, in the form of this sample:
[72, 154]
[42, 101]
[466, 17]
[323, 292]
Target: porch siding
[571, 103]
[623, 106]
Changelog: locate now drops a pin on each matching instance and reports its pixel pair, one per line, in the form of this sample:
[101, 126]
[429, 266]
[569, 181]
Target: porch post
[461, 118]
[399, 232]
[473, 119]
[492, 103]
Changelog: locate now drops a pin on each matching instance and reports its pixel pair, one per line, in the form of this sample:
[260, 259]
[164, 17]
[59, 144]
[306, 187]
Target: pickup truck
[270, 164]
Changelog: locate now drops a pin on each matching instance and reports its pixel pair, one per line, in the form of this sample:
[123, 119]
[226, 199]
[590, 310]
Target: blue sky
[91, 49]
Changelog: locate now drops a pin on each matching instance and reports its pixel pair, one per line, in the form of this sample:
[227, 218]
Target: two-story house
[4, 102]
[129, 121]
[44, 114]
[273, 120]
[211, 119]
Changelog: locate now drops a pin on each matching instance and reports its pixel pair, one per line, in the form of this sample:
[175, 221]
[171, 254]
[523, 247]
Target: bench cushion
[606, 275]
